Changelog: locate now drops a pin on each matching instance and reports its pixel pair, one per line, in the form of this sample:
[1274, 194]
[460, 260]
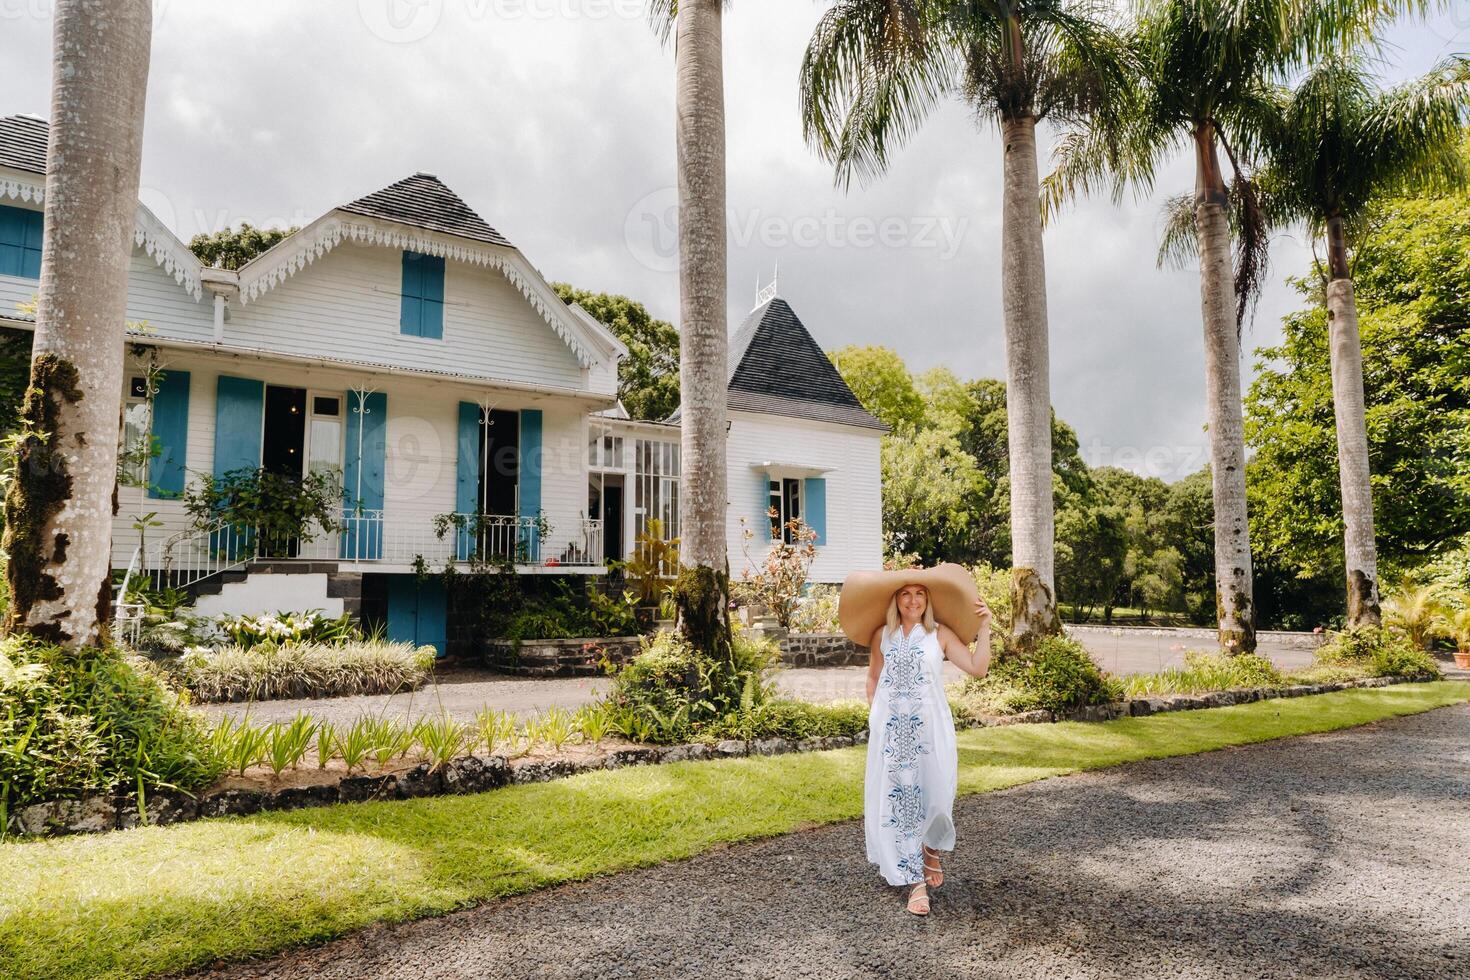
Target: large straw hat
[865, 597]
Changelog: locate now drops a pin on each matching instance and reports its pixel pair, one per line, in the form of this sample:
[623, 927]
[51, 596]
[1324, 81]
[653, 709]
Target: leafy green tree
[873, 70]
[1188, 527]
[930, 490]
[1333, 143]
[233, 247]
[1092, 551]
[1152, 572]
[881, 381]
[648, 378]
[1412, 284]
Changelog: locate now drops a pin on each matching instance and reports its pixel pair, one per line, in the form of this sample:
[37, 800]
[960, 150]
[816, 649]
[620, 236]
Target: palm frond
[871, 74]
[1179, 242]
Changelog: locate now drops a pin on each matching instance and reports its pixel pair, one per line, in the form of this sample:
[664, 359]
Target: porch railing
[375, 537]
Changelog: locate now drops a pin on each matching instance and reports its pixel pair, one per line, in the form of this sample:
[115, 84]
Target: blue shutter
[363, 476]
[239, 411]
[421, 308]
[432, 324]
[762, 526]
[410, 307]
[467, 472]
[530, 478]
[814, 505]
[20, 242]
[171, 429]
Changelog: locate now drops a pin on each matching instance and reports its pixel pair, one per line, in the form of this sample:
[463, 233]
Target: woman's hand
[983, 611]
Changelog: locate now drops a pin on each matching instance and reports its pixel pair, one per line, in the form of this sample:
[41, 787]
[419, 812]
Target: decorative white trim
[171, 254]
[149, 233]
[316, 240]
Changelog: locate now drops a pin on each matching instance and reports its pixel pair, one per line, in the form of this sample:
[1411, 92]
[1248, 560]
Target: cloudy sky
[554, 119]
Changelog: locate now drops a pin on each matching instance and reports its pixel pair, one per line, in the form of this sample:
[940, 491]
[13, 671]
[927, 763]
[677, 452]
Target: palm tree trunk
[60, 504]
[1234, 592]
[1352, 434]
[1028, 389]
[703, 493]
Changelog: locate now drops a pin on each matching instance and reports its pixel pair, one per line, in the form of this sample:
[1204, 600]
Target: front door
[500, 471]
[612, 523]
[282, 453]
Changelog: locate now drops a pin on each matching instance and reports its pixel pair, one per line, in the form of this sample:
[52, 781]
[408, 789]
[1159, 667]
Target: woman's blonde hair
[927, 620]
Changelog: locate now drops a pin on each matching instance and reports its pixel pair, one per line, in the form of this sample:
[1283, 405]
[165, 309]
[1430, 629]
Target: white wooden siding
[346, 304]
[153, 296]
[854, 489]
[422, 446]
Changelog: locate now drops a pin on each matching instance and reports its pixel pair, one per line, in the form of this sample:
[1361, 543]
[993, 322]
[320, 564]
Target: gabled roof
[425, 202]
[23, 143]
[777, 368]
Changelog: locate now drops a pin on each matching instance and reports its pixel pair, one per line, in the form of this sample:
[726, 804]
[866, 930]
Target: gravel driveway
[1340, 855]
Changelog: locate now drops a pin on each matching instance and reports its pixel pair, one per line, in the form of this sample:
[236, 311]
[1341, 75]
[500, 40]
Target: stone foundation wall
[558, 658]
[821, 650]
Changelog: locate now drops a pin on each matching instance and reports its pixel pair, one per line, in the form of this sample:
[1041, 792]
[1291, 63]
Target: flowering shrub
[817, 611]
[780, 576]
[287, 629]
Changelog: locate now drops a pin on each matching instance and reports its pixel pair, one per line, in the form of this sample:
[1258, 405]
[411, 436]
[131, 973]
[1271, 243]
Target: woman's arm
[875, 662]
[973, 662]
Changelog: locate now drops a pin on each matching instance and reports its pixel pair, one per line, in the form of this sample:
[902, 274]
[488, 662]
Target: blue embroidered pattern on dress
[903, 744]
[906, 809]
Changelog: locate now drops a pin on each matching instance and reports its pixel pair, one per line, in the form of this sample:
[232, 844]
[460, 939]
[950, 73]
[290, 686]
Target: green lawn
[153, 900]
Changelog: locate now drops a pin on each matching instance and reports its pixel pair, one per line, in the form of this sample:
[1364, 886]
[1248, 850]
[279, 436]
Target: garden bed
[576, 657]
[260, 791]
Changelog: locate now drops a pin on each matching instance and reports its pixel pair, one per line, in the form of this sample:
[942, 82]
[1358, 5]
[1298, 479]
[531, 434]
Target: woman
[922, 618]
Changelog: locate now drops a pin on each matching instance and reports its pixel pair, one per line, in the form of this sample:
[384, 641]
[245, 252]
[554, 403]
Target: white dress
[913, 765]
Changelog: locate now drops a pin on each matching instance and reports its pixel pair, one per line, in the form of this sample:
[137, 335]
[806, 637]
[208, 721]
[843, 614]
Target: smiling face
[912, 601]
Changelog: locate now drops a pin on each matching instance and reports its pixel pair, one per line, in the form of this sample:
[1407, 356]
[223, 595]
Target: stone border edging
[101, 812]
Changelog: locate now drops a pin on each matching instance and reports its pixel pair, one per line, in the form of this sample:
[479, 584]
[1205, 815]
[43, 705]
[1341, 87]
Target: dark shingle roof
[778, 368]
[23, 143]
[424, 202]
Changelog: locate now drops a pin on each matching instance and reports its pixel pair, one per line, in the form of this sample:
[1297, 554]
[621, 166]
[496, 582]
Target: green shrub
[1206, 672]
[1376, 651]
[74, 722]
[786, 718]
[288, 629]
[566, 614]
[1058, 676]
[669, 692]
[266, 672]
[817, 611]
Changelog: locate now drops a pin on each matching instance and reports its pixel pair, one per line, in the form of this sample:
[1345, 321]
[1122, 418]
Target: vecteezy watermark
[407, 21]
[651, 230]
[1168, 463]
[46, 10]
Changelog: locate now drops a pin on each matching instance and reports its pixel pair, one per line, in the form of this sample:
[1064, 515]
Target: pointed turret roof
[424, 201]
[778, 368]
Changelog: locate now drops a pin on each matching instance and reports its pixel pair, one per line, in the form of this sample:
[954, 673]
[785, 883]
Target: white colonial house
[405, 346]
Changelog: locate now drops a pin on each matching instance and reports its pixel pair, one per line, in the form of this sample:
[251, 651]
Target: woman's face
[912, 601]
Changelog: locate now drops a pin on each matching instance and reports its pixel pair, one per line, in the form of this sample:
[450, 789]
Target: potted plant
[668, 612]
[1459, 628]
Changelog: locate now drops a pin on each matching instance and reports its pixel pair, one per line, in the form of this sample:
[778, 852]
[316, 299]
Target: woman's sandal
[936, 870]
[919, 900]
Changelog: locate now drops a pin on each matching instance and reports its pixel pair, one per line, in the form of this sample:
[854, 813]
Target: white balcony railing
[375, 537]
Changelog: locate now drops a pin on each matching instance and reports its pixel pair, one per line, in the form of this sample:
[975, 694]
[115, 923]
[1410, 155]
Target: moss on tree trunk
[703, 595]
[39, 490]
[1033, 611]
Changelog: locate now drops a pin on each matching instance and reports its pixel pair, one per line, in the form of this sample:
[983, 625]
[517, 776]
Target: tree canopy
[648, 378]
[232, 248]
[1413, 289]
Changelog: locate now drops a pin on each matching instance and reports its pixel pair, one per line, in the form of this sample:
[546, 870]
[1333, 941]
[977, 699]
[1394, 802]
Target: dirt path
[1340, 855]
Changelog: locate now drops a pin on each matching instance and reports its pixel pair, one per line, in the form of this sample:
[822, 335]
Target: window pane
[326, 405]
[326, 446]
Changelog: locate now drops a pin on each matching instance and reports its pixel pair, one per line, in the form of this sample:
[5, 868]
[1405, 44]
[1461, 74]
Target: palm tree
[1416, 609]
[1205, 68]
[873, 69]
[1333, 145]
[704, 587]
[58, 509]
